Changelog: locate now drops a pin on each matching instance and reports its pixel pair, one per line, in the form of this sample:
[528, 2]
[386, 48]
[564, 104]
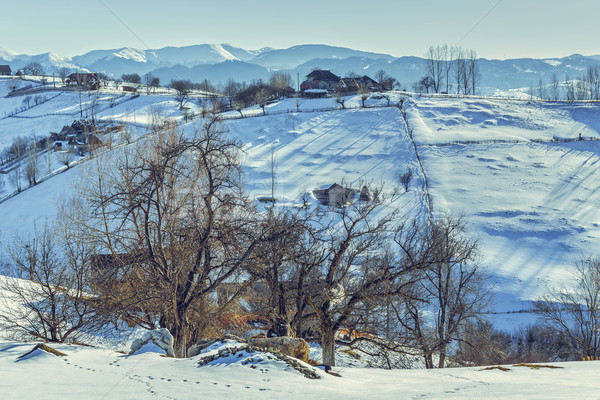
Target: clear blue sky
[494, 28]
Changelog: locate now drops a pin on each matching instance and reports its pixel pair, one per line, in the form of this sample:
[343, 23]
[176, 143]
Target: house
[320, 79]
[335, 195]
[77, 147]
[129, 89]
[85, 80]
[94, 142]
[5, 70]
[355, 83]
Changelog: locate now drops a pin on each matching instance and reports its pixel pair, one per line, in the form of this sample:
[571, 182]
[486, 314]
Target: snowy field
[89, 373]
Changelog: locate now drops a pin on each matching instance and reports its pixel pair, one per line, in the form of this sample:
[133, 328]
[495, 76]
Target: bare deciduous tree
[261, 98]
[33, 68]
[351, 268]
[339, 97]
[575, 313]
[451, 290]
[32, 166]
[183, 89]
[405, 179]
[63, 72]
[170, 217]
[47, 296]
[435, 61]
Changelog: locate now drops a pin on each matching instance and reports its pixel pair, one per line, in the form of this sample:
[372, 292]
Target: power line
[478, 22]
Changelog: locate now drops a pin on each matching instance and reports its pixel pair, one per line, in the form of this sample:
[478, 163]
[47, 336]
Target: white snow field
[513, 168]
[90, 373]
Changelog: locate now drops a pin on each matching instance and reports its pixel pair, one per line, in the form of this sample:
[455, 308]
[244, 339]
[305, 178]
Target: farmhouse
[5, 70]
[335, 195]
[320, 79]
[85, 80]
[354, 84]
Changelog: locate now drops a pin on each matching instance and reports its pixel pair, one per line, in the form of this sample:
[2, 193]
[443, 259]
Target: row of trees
[235, 95]
[584, 87]
[449, 68]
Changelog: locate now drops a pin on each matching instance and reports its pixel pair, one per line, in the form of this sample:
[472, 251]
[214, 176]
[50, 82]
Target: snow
[553, 63]
[129, 53]
[93, 373]
[218, 48]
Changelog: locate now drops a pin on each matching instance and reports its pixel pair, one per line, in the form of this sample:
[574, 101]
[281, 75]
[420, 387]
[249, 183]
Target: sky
[493, 28]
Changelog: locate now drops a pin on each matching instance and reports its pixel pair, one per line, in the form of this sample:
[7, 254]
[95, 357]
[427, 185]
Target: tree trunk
[179, 329]
[442, 361]
[428, 361]
[328, 345]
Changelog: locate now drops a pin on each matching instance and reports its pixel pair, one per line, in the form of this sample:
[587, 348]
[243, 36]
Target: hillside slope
[529, 196]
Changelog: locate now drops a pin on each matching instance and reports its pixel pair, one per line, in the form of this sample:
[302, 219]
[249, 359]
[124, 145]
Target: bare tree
[435, 61]
[150, 79]
[281, 81]
[66, 158]
[231, 89]
[405, 178]
[575, 313]
[133, 79]
[570, 85]
[339, 97]
[364, 93]
[554, 88]
[426, 83]
[278, 267]
[33, 68]
[63, 72]
[16, 172]
[171, 219]
[472, 70]
[447, 54]
[47, 296]
[541, 92]
[592, 78]
[183, 89]
[451, 290]
[261, 98]
[351, 268]
[387, 82]
[13, 84]
[32, 167]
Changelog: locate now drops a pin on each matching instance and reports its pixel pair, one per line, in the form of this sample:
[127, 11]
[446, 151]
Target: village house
[5, 70]
[356, 83]
[321, 80]
[335, 195]
[84, 80]
[79, 138]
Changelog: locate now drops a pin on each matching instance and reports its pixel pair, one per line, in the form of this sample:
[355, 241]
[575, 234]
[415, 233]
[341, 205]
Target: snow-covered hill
[516, 169]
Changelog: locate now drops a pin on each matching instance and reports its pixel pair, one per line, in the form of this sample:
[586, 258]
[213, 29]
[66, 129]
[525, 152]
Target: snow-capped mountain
[292, 57]
[220, 62]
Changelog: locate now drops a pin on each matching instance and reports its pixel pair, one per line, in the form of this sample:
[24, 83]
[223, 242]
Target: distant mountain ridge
[220, 62]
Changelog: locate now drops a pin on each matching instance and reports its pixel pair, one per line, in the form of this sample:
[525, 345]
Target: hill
[515, 169]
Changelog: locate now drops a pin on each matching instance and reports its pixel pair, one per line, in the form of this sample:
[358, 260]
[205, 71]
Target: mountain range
[219, 62]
